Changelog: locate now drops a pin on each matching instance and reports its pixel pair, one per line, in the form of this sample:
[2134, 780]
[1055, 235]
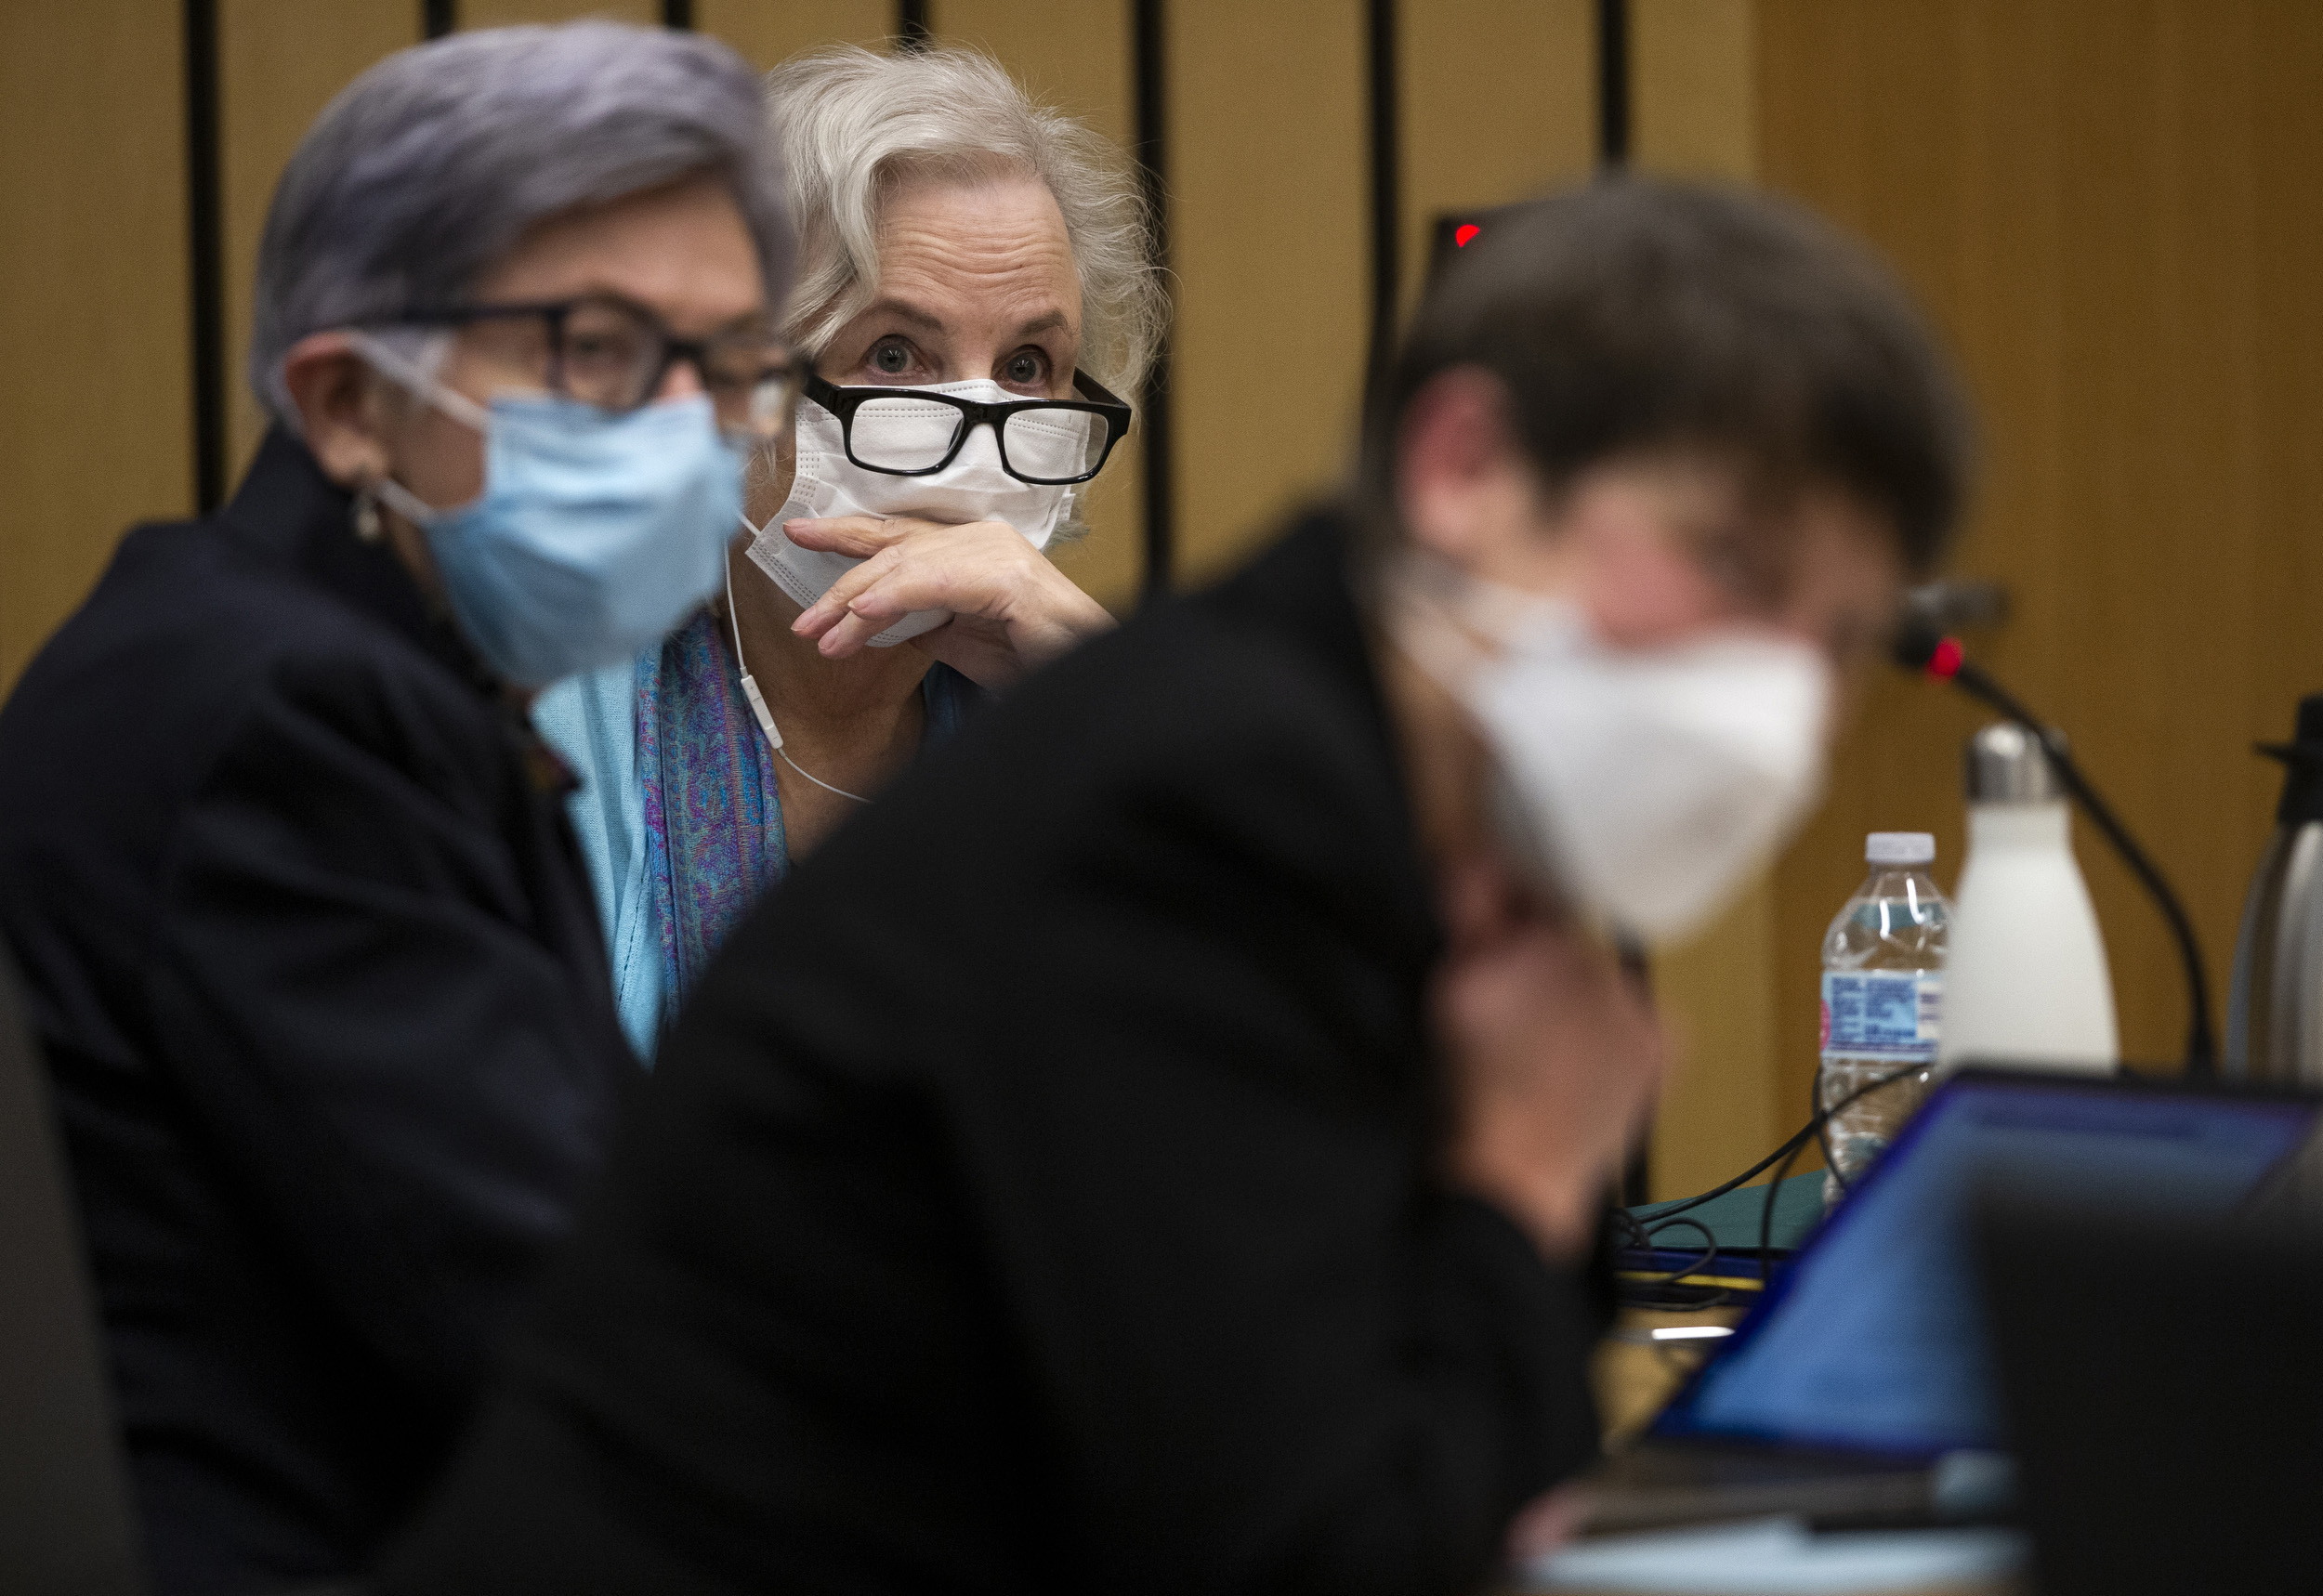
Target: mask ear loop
[757, 699]
[389, 362]
[415, 379]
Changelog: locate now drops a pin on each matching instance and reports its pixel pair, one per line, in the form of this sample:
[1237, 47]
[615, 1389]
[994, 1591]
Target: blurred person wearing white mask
[976, 287]
[1164, 1147]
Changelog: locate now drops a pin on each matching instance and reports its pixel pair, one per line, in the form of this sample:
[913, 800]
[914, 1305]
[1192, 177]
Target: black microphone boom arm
[1919, 647]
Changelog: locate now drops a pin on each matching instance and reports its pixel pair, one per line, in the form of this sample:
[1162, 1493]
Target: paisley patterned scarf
[713, 841]
[713, 821]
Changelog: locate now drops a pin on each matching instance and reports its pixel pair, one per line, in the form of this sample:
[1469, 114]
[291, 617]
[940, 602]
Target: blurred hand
[1549, 1522]
[1011, 609]
[1554, 1057]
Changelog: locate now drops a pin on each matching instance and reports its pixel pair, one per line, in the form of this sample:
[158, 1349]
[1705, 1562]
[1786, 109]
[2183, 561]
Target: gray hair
[852, 125]
[425, 170]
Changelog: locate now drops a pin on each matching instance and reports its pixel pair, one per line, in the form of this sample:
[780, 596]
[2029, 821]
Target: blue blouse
[676, 812]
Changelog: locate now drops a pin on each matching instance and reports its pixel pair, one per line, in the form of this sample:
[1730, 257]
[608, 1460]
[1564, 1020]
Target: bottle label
[1876, 1013]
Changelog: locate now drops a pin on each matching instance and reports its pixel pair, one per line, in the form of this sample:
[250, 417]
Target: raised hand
[1011, 609]
[1554, 1057]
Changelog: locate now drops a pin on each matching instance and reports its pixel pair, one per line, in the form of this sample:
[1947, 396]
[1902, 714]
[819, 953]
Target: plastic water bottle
[1882, 1001]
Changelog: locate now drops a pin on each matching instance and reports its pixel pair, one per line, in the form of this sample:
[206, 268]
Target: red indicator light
[1945, 663]
[1463, 233]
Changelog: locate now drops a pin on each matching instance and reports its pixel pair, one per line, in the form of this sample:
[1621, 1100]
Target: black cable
[1823, 1134]
[1919, 646]
[2201, 1047]
[1766, 1211]
[1815, 1099]
[1784, 1155]
[1654, 1289]
[1674, 1297]
[1710, 1254]
[1822, 1118]
[1635, 1233]
[1722, 1190]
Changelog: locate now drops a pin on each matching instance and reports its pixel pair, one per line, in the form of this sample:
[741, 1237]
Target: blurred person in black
[305, 929]
[1160, 1147]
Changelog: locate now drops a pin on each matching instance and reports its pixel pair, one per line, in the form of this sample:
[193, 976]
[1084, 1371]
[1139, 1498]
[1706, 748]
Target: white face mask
[1644, 785]
[972, 488]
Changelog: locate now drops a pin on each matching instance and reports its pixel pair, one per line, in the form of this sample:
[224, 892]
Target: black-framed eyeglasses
[912, 432]
[615, 354]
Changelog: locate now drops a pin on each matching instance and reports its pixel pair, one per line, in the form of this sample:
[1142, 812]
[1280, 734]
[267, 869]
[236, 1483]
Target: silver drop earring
[367, 526]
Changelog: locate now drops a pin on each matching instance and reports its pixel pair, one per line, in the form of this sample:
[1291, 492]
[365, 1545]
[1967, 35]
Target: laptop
[2163, 1394]
[1859, 1391]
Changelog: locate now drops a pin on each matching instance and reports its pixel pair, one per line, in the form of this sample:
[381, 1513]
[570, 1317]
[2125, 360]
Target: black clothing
[1037, 1194]
[320, 977]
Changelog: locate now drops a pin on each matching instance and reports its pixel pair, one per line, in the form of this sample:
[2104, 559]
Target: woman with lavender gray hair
[303, 926]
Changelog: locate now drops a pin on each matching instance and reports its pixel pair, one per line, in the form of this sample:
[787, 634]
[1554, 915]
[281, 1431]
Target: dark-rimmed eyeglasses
[912, 432]
[615, 354]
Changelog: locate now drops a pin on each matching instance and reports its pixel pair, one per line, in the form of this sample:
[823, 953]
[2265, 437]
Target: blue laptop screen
[1873, 1337]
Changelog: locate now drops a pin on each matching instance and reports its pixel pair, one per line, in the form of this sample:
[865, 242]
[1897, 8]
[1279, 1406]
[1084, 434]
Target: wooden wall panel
[1499, 102]
[1724, 1101]
[770, 30]
[96, 419]
[1269, 166]
[506, 13]
[280, 62]
[1079, 57]
[1693, 88]
[1075, 55]
[2111, 211]
[1693, 113]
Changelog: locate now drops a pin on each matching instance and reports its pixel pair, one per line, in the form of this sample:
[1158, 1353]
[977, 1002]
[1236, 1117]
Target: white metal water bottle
[2028, 981]
[1883, 961]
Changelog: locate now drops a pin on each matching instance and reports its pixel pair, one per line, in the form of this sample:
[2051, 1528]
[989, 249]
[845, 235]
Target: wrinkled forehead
[952, 241]
[976, 234]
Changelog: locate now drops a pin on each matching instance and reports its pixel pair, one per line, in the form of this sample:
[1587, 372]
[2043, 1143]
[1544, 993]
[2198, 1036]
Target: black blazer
[1039, 1193]
[318, 973]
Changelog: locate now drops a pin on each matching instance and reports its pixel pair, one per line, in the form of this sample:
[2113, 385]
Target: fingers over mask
[817, 618]
[858, 537]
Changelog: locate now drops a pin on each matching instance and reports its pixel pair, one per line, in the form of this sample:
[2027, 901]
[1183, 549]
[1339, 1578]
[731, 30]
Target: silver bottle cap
[2006, 765]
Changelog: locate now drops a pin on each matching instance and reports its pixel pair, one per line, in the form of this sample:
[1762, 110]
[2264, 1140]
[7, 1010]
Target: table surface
[1634, 1376]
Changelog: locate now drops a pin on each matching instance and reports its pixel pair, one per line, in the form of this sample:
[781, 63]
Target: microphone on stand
[1921, 644]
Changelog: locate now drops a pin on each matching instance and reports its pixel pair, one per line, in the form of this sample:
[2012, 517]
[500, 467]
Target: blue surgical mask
[596, 534]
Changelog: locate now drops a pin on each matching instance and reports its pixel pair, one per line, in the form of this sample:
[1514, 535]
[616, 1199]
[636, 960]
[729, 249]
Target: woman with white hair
[302, 921]
[976, 285]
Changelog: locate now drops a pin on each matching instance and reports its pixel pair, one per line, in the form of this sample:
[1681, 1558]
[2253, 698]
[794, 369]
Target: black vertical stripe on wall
[1613, 131]
[1637, 1182]
[913, 28]
[1386, 188]
[678, 13]
[438, 17]
[1613, 83]
[206, 260]
[1148, 18]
